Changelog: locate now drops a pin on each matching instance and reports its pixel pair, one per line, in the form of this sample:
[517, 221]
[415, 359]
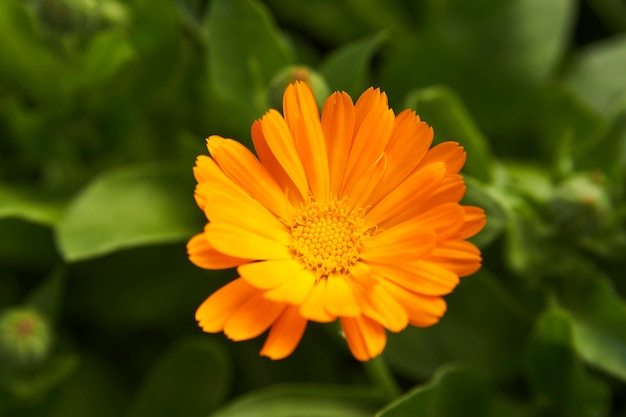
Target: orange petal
[451, 153]
[281, 143]
[272, 165]
[217, 309]
[384, 309]
[417, 187]
[202, 254]
[339, 299]
[210, 176]
[285, 334]
[237, 241]
[312, 149]
[298, 100]
[295, 290]
[313, 306]
[368, 144]
[366, 338]
[460, 257]
[241, 166]
[422, 277]
[445, 220]
[423, 310]
[403, 243]
[370, 179]
[252, 318]
[475, 220]
[409, 142]
[338, 126]
[270, 274]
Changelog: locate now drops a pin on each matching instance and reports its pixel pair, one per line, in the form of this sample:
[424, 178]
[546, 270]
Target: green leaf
[453, 391]
[494, 54]
[441, 108]
[597, 76]
[36, 382]
[25, 60]
[484, 326]
[191, 379]
[346, 68]
[304, 401]
[107, 53]
[598, 315]
[245, 51]
[559, 381]
[27, 245]
[128, 207]
[30, 205]
[48, 296]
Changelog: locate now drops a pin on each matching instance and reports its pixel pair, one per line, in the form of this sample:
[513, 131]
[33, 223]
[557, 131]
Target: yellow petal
[285, 334]
[270, 274]
[202, 254]
[387, 311]
[295, 290]
[246, 213]
[366, 338]
[217, 309]
[339, 299]
[313, 306]
[237, 241]
[252, 318]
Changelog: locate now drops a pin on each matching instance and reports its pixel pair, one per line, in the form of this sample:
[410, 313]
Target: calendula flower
[347, 217]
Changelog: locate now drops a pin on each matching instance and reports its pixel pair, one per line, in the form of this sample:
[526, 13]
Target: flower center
[328, 237]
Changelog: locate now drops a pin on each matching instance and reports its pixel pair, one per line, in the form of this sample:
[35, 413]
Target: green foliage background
[104, 106]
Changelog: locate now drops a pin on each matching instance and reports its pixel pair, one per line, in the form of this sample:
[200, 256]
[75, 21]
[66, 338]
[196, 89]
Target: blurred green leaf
[304, 401]
[494, 54]
[559, 381]
[597, 76]
[92, 390]
[47, 297]
[245, 52]
[485, 326]
[128, 207]
[190, 380]
[441, 108]
[345, 69]
[107, 53]
[598, 315]
[30, 205]
[161, 289]
[37, 381]
[26, 245]
[453, 391]
[25, 60]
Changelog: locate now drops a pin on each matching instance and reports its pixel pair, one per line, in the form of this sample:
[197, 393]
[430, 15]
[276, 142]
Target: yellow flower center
[328, 237]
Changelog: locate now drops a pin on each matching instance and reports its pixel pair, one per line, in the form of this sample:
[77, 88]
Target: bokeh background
[105, 104]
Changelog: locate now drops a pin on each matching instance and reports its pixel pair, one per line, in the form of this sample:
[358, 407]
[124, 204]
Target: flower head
[348, 216]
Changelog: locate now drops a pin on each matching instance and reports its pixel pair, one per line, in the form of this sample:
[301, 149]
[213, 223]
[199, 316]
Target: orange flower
[349, 216]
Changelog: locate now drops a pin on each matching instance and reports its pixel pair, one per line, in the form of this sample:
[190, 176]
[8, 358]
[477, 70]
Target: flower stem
[380, 374]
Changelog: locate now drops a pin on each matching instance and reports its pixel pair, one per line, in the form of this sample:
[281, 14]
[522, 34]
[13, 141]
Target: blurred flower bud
[25, 337]
[290, 74]
[582, 204]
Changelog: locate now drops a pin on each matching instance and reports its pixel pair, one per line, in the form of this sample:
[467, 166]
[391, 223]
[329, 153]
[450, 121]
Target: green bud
[291, 74]
[582, 204]
[25, 337]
